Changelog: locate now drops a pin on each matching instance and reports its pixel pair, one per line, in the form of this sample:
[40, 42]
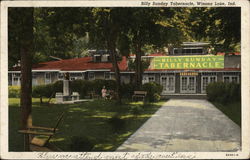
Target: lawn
[232, 110]
[89, 119]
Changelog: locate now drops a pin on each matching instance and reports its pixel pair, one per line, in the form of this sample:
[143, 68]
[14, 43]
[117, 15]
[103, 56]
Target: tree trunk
[138, 65]
[26, 51]
[116, 70]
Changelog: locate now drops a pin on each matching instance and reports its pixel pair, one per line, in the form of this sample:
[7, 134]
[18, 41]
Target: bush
[43, 91]
[81, 86]
[58, 86]
[14, 91]
[116, 123]
[127, 90]
[223, 92]
[136, 110]
[81, 144]
[153, 91]
[99, 83]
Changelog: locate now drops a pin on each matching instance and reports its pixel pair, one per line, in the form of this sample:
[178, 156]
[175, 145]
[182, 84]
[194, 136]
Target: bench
[93, 95]
[37, 143]
[139, 94]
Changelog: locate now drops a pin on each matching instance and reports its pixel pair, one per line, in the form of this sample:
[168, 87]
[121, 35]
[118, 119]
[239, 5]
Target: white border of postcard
[245, 70]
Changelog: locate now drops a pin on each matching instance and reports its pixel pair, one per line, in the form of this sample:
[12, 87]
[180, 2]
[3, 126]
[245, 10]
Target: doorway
[188, 84]
[168, 83]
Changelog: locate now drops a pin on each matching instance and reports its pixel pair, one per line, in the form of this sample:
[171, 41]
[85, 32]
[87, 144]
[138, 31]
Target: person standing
[104, 92]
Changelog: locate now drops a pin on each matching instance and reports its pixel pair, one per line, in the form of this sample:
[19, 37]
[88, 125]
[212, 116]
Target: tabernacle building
[186, 70]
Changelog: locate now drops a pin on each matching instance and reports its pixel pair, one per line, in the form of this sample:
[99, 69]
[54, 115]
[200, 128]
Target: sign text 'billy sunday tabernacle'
[188, 62]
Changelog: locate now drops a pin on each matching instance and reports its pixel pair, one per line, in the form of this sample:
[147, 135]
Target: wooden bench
[93, 95]
[42, 144]
[139, 94]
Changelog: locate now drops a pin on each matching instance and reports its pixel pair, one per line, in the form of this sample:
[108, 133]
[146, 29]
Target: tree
[219, 25]
[155, 27]
[59, 32]
[106, 28]
[21, 20]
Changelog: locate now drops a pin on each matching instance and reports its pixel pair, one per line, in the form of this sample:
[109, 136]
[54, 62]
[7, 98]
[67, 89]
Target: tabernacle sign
[188, 62]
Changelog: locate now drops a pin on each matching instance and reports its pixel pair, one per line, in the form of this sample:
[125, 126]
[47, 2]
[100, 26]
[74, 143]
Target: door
[168, 83]
[205, 80]
[188, 84]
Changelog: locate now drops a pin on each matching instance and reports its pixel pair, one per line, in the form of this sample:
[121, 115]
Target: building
[185, 70]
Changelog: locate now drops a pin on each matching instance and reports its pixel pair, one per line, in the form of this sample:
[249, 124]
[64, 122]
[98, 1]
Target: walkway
[185, 125]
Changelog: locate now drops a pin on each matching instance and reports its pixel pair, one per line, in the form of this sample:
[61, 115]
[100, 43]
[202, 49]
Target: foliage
[42, 91]
[153, 90]
[70, 32]
[117, 123]
[128, 90]
[79, 144]
[132, 65]
[14, 91]
[81, 86]
[99, 83]
[217, 26]
[136, 110]
[232, 110]
[59, 32]
[224, 93]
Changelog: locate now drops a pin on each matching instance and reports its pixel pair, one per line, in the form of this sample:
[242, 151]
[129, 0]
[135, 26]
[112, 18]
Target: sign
[188, 62]
[189, 74]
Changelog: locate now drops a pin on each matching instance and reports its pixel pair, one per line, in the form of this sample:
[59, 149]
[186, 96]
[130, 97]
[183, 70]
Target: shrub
[127, 90]
[116, 123]
[14, 91]
[99, 83]
[81, 144]
[81, 86]
[42, 91]
[136, 110]
[223, 92]
[58, 86]
[153, 91]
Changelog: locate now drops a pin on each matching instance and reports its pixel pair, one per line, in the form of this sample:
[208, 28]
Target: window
[205, 80]
[188, 51]
[107, 75]
[60, 76]
[148, 78]
[97, 58]
[16, 79]
[47, 78]
[74, 76]
[151, 78]
[91, 75]
[229, 79]
[34, 79]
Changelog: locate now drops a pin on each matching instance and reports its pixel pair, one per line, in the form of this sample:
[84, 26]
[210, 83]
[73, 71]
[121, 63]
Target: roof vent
[97, 58]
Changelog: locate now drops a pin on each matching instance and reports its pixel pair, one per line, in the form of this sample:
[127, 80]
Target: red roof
[150, 55]
[78, 64]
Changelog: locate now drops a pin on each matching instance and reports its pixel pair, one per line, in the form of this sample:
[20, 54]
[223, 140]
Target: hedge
[83, 87]
[224, 92]
[14, 91]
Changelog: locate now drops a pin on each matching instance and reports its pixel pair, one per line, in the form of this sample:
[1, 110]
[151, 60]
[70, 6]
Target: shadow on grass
[89, 119]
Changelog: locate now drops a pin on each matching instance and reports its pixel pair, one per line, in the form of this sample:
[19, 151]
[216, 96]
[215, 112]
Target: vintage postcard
[135, 79]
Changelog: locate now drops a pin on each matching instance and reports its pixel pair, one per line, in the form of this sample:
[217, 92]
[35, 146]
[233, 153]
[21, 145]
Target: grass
[232, 110]
[88, 119]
